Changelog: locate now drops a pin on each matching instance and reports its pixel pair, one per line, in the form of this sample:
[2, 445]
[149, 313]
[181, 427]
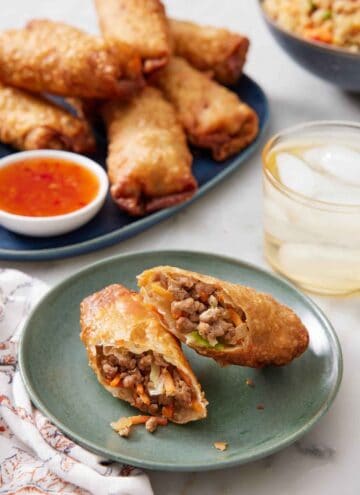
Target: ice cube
[340, 197]
[336, 160]
[312, 263]
[295, 174]
[329, 189]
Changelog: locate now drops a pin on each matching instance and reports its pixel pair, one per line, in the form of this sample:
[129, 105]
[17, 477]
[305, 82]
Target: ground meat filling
[198, 307]
[122, 368]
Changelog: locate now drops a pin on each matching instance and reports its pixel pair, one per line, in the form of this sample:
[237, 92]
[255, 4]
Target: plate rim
[222, 463]
[142, 224]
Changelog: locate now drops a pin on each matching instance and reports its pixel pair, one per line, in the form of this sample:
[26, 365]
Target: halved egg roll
[29, 122]
[212, 116]
[208, 48]
[149, 163]
[140, 23]
[53, 57]
[136, 359]
[231, 323]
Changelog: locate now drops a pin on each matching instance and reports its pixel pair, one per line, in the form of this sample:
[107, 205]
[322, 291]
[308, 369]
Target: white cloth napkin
[35, 457]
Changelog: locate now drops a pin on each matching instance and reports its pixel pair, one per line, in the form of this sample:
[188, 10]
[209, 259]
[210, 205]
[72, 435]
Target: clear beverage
[311, 179]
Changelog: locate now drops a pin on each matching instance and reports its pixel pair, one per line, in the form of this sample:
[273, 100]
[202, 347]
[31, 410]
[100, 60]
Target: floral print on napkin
[35, 457]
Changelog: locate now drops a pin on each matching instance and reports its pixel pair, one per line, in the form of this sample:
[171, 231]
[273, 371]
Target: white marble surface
[228, 221]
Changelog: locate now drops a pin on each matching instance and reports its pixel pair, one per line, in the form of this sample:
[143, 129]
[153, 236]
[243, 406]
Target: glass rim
[301, 198]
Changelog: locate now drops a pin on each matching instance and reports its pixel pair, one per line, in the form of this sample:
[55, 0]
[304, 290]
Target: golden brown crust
[118, 317]
[275, 334]
[142, 24]
[149, 163]
[217, 50]
[212, 116]
[29, 122]
[53, 57]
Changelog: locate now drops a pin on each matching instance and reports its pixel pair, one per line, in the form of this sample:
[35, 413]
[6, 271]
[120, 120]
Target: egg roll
[232, 324]
[213, 116]
[140, 23]
[149, 163]
[216, 50]
[53, 57]
[136, 359]
[29, 122]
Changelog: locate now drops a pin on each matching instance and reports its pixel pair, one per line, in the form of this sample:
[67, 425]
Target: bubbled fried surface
[54, 57]
[148, 161]
[30, 122]
[275, 335]
[208, 48]
[142, 24]
[212, 116]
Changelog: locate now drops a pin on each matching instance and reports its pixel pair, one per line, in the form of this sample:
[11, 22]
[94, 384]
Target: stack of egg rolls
[52, 57]
[156, 82]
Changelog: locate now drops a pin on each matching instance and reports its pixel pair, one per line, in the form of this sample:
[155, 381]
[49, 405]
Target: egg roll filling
[154, 385]
[201, 313]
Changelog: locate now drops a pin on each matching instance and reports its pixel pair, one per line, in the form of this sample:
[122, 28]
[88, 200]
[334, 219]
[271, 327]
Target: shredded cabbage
[156, 380]
[196, 339]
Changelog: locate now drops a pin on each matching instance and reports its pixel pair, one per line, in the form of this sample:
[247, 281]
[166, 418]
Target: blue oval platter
[111, 225]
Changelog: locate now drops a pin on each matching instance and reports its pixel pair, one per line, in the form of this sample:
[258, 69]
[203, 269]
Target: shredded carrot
[203, 296]
[168, 382]
[319, 34]
[115, 381]
[234, 316]
[160, 291]
[143, 395]
[168, 411]
[139, 420]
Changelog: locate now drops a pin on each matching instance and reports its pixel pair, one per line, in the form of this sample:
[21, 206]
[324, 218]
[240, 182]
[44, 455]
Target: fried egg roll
[230, 323]
[149, 163]
[218, 51]
[212, 116]
[140, 23]
[29, 122]
[53, 57]
[136, 359]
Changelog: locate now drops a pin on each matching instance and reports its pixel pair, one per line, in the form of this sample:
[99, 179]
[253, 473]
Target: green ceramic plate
[54, 367]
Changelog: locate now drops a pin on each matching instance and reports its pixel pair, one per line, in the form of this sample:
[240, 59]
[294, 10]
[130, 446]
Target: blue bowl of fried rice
[323, 36]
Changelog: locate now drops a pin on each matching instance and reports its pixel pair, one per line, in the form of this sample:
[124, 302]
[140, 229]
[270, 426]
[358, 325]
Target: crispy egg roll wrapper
[117, 317]
[142, 24]
[53, 57]
[268, 333]
[216, 50]
[213, 116]
[29, 122]
[149, 163]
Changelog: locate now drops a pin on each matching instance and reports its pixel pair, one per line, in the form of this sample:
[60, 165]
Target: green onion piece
[196, 339]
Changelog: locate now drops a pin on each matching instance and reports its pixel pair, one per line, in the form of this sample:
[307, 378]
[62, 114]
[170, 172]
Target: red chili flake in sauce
[45, 187]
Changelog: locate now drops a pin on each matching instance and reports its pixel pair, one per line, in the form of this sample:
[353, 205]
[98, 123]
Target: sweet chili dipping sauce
[45, 187]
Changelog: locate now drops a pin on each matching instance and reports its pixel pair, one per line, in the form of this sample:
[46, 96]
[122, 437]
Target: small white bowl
[59, 224]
